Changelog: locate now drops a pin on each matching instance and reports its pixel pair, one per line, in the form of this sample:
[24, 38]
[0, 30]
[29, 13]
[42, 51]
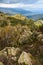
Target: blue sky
[32, 5]
[18, 1]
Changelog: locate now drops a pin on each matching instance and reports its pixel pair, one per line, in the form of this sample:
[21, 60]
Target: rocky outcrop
[11, 52]
[16, 55]
[26, 58]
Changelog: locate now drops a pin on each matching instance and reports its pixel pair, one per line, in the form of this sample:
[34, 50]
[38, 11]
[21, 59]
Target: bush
[3, 23]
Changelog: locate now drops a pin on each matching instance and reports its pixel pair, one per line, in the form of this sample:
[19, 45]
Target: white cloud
[10, 5]
[31, 7]
[20, 5]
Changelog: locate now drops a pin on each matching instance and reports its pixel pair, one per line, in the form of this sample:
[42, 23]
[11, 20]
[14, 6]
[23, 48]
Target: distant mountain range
[15, 11]
[36, 17]
[29, 14]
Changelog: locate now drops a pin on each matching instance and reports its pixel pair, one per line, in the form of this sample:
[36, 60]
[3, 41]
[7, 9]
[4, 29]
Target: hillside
[21, 40]
[36, 17]
[16, 19]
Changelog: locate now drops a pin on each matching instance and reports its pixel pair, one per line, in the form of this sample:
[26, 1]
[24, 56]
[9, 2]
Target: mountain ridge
[15, 11]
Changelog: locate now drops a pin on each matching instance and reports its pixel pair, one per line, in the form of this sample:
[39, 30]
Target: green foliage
[14, 36]
[3, 23]
[41, 28]
[17, 19]
[23, 64]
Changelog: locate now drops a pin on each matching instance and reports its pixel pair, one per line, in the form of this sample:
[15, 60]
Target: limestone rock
[25, 58]
[11, 52]
[40, 37]
[1, 63]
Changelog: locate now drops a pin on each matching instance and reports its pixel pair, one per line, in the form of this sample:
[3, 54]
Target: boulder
[26, 58]
[1, 63]
[11, 52]
[40, 37]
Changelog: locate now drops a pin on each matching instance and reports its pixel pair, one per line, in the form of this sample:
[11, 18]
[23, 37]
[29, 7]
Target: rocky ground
[13, 56]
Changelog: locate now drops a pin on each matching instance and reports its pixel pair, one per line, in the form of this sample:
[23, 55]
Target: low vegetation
[26, 34]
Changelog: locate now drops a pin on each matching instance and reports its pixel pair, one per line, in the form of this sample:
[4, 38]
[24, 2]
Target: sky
[32, 5]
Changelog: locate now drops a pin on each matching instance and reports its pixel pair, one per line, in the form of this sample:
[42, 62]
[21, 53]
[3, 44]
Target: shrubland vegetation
[19, 31]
